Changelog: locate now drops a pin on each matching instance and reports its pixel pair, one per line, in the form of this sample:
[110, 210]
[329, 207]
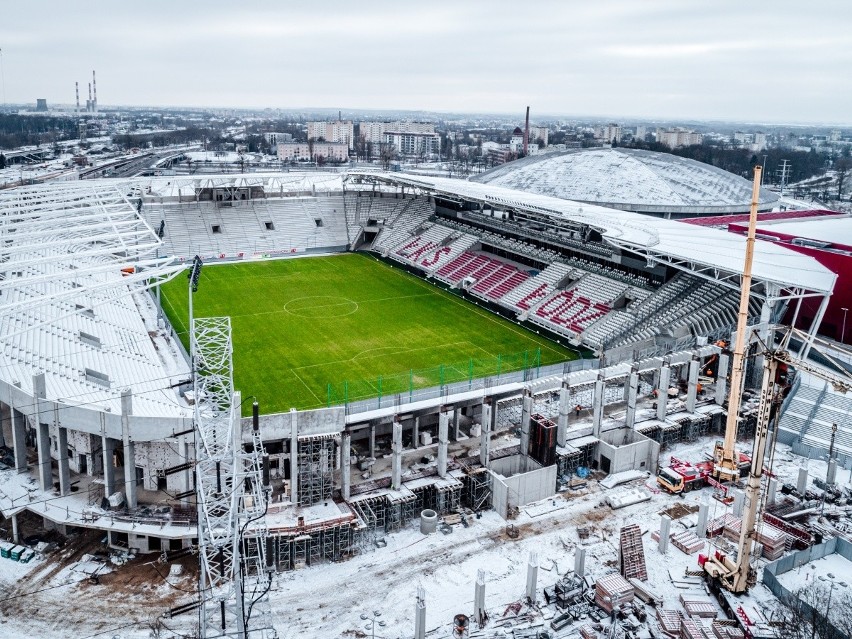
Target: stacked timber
[644, 592]
[612, 591]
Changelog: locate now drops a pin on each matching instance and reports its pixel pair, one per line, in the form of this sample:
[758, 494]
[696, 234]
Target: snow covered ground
[328, 600]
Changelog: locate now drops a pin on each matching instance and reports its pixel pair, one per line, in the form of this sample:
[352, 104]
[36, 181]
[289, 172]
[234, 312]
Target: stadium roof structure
[706, 252]
[71, 255]
[648, 182]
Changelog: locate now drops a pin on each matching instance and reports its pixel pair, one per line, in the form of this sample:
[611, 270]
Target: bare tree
[816, 611]
[387, 153]
[842, 167]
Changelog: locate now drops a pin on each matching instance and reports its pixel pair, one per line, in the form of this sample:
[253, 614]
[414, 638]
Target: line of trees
[804, 164]
[21, 130]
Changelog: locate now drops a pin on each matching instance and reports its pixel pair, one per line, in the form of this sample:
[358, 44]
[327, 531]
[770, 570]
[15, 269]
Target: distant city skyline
[658, 59]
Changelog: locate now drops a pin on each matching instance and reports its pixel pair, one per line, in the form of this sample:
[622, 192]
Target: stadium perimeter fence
[414, 385]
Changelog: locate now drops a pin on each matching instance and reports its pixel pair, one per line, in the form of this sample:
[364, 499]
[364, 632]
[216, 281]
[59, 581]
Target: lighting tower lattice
[231, 492]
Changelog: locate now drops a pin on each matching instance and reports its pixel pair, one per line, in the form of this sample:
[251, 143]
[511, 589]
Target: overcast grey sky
[772, 61]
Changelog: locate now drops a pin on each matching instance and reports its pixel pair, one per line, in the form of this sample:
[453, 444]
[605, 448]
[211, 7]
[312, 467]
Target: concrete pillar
[129, 449]
[373, 441]
[532, 576]
[580, 562]
[564, 411]
[665, 528]
[456, 420]
[526, 413]
[62, 457]
[45, 474]
[420, 614]
[485, 437]
[771, 490]
[19, 439]
[345, 467]
[396, 452]
[415, 440]
[722, 379]
[108, 449]
[632, 393]
[479, 599]
[701, 527]
[692, 386]
[598, 407]
[443, 437]
[802, 482]
[831, 474]
[663, 392]
[188, 453]
[16, 536]
[739, 502]
[294, 456]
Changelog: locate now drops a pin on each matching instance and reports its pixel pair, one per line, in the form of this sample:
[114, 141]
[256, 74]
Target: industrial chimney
[89, 101]
[77, 93]
[527, 133]
[95, 98]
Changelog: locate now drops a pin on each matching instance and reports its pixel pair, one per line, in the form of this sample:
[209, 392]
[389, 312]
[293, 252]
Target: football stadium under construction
[116, 420]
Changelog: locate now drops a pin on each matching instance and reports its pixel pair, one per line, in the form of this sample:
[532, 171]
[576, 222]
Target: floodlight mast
[726, 463]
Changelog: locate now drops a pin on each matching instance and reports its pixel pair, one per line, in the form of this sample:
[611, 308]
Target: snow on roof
[668, 239]
[836, 230]
[630, 179]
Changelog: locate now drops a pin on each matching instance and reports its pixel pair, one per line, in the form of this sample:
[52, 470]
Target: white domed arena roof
[631, 180]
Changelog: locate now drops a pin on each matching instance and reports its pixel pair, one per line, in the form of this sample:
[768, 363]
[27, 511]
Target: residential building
[407, 143]
[375, 131]
[273, 137]
[609, 133]
[302, 151]
[674, 138]
[335, 131]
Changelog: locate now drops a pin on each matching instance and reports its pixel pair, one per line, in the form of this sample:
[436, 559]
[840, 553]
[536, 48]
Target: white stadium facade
[98, 429]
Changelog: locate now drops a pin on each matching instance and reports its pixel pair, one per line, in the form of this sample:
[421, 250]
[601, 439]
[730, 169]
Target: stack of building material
[717, 525]
[632, 554]
[726, 629]
[587, 632]
[687, 541]
[669, 621]
[774, 541]
[690, 629]
[644, 592]
[612, 591]
[697, 605]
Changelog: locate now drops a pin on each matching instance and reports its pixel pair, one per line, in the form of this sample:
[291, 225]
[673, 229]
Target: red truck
[681, 477]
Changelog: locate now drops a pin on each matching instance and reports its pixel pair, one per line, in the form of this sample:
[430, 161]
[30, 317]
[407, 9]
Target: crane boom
[736, 575]
[725, 457]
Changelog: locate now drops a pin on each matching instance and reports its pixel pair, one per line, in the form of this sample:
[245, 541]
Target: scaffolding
[508, 413]
[316, 469]
[401, 509]
[477, 488]
[314, 544]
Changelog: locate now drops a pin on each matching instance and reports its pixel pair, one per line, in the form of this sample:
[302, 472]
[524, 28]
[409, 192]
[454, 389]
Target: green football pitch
[317, 331]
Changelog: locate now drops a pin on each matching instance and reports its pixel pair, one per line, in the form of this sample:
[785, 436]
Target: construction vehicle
[737, 575]
[681, 476]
